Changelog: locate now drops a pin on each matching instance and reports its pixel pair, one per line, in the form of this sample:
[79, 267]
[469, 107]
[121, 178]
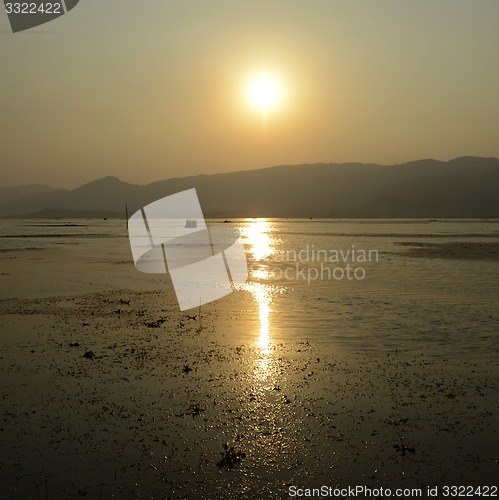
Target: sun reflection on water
[257, 235]
[258, 238]
[260, 241]
[262, 294]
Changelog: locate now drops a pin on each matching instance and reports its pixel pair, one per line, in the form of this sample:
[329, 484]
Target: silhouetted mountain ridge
[17, 192]
[462, 187]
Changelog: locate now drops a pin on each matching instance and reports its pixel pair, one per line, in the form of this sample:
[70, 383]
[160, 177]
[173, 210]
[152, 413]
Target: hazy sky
[151, 89]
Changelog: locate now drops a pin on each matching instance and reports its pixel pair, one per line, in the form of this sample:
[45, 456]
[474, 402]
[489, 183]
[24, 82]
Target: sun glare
[264, 93]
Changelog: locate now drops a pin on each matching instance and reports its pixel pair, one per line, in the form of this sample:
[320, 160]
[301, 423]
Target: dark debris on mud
[146, 419]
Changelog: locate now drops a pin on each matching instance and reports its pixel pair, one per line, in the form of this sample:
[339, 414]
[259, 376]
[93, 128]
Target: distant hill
[63, 213]
[463, 187]
[8, 194]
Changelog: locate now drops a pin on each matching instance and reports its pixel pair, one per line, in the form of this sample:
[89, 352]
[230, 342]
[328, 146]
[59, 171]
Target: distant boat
[191, 223]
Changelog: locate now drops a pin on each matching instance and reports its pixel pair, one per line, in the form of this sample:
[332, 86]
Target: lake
[380, 285]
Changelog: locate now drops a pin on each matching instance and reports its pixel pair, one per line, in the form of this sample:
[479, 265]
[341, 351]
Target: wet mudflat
[118, 393]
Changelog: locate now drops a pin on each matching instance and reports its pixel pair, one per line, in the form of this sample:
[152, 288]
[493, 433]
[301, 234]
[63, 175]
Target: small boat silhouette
[191, 223]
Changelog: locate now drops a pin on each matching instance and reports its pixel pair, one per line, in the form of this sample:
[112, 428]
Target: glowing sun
[264, 92]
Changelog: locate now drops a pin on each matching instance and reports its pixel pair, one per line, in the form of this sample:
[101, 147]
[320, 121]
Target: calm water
[347, 281]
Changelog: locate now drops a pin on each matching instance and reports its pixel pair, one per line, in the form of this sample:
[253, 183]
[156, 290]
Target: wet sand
[462, 250]
[117, 393]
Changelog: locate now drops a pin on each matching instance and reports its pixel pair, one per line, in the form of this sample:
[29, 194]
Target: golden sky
[156, 89]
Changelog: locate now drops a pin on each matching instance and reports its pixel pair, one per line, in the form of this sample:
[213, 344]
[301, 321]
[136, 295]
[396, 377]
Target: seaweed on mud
[230, 457]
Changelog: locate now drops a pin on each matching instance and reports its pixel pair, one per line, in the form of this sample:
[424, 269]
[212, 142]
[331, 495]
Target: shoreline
[118, 393]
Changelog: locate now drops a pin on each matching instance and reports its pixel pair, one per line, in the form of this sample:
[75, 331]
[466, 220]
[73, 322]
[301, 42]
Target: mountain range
[462, 187]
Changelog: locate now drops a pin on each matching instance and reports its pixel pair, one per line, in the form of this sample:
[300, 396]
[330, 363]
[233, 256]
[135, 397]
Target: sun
[264, 92]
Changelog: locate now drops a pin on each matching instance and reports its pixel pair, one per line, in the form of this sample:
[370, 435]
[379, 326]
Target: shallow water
[110, 391]
[352, 282]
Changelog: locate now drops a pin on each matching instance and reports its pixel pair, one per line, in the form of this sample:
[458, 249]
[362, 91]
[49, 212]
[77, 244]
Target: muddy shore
[119, 394]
